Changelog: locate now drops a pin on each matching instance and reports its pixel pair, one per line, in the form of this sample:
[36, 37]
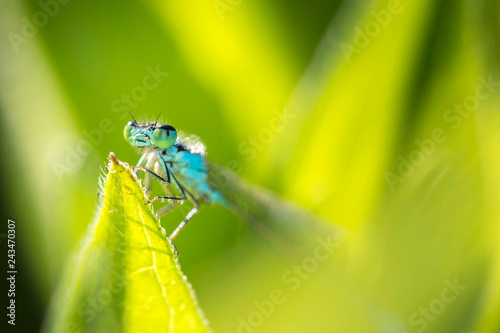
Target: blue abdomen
[191, 170]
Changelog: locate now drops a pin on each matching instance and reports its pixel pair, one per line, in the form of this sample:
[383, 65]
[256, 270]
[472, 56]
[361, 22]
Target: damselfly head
[149, 134]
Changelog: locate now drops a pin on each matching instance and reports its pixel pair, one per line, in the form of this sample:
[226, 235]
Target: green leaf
[126, 277]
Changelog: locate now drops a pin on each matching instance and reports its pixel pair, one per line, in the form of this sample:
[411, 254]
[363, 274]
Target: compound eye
[165, 136]
[128, 130]
[167, 128]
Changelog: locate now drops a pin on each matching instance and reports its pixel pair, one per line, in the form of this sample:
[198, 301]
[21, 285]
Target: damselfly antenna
[130, 113]
[156, 122]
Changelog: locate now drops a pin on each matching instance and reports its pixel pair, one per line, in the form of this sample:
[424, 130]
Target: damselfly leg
[185, 195]
[188, 217]
[166, 181]
[167, 187]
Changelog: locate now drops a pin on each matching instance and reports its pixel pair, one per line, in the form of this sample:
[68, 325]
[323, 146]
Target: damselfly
[179, 163]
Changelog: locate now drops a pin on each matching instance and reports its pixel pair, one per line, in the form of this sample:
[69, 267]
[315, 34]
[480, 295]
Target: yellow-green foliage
[126, 277]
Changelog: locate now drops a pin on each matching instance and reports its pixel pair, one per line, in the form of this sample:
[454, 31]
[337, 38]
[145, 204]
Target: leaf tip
[114, 160]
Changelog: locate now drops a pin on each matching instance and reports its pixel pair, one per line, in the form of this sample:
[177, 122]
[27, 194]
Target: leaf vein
[163, 290]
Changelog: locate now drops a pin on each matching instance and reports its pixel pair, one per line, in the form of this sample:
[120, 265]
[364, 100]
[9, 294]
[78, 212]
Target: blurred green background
[392, 133]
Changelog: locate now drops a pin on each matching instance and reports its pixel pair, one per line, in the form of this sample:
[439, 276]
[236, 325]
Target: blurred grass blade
[126, 277]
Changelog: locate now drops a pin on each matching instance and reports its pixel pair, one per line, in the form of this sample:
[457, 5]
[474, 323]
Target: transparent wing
[193, 143]
[283, 221]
